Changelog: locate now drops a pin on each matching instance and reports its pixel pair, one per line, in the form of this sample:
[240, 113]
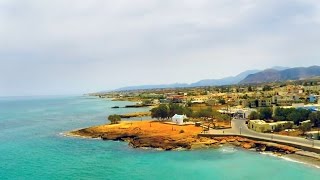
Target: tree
[254, 115]
[291, 114]
[279, 114]
[278, 128]
[204, 113]
[188, 112]
[295, 117]
[225, 117]
[266, 88]
[279, 118]
[175, 109]
[265, 113]
[114, 119]
[298, 115]
[161, 112]
[305, 127]
[189, 103]
[315, 118]
[222, 101]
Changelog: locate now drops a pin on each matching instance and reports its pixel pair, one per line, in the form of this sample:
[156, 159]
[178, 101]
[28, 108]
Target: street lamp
[271, 134]
[240, 130]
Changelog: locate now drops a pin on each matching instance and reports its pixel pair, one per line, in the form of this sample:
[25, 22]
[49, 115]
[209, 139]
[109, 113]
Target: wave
[227, 150]
[300, 162]
[290, 159]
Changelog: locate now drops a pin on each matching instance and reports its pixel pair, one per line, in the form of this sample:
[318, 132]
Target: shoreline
[306, 160]
[294, 157]
[297, 158]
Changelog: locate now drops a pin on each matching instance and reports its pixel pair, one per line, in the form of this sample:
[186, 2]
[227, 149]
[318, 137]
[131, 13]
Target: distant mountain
[176, 85]
[206, 82]
[224, 81]
[279, 68]
[272, 75]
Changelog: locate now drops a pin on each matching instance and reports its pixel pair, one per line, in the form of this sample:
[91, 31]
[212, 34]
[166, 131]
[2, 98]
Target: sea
[33, 146]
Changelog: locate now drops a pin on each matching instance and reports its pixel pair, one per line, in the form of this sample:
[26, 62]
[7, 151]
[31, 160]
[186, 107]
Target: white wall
[177, 120]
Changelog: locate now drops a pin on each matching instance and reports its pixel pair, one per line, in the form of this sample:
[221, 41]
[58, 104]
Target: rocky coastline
[168, 136]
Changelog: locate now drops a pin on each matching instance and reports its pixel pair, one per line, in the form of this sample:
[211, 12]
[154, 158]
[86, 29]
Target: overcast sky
[79, 46]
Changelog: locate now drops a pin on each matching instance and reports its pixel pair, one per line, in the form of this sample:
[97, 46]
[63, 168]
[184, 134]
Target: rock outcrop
[169, 137]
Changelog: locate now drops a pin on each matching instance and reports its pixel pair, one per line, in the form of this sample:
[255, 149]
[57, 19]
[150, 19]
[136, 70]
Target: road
[239, 127]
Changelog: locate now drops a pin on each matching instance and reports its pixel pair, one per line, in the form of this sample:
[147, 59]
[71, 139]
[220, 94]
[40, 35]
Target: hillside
[207, 82]
[271, 75]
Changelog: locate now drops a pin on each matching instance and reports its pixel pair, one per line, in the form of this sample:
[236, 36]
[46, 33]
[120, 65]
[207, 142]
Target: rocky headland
[168, 136]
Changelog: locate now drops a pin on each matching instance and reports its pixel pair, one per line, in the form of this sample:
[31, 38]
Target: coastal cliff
[168, 136]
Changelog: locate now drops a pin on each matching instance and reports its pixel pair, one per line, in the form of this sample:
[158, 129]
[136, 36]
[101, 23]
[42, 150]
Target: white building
[178, 119]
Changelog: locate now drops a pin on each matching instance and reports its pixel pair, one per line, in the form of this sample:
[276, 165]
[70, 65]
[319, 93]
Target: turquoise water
[32, 147]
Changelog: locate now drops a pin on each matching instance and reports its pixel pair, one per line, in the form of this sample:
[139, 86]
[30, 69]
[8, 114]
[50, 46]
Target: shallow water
[32, 147]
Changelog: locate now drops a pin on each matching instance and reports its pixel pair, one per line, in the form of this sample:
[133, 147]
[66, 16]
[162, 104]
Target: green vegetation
[114, 119]
[164, 111]
[267, 88]
[282, 127]
[305, 127]
[287, 114]
[263, 113]
[204, 113]
[291, 114]
[161, 112]
[222, 101]
[179, 109]
[315, 118]
[254, 115]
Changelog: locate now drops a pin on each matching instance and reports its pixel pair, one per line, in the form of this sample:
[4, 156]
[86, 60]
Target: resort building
[287, 100]
[262, 126]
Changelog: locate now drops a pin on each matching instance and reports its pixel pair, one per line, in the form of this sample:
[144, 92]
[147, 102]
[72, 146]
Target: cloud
[81, 45]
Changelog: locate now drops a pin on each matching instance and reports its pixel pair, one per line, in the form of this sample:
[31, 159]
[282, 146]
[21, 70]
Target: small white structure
[178, 119]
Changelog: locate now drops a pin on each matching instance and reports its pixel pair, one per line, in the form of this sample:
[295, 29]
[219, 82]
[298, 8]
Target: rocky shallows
[168, 136]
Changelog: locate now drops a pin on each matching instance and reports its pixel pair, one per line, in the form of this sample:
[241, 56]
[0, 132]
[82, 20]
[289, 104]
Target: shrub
[254, 115]
[114, 119]
[305, 127]
[278, 128]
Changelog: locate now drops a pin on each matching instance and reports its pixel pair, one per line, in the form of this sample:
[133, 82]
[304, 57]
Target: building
[312, 88]
[176, 98]
[178, 119]
[198, 99]
[287, 100]
[267, 102]
[312, 98]
[242, 113]
[306, 122]
[262, 126]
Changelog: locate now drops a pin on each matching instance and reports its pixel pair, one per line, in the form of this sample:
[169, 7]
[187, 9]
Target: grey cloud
[92, 40]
